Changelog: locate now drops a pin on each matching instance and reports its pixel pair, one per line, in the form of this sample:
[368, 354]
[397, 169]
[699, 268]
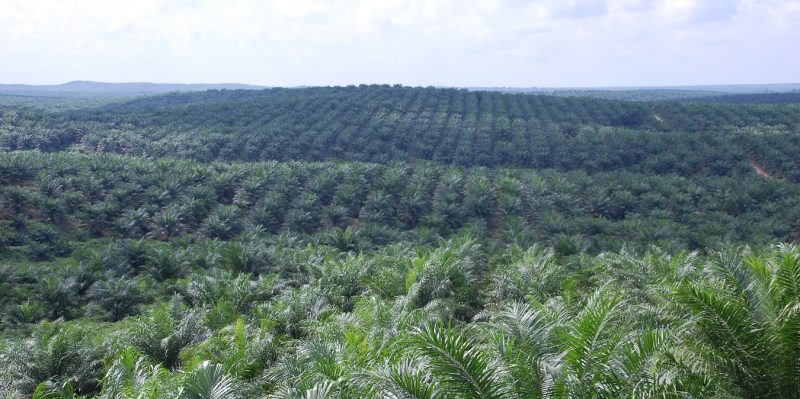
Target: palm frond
[726, 324]
[208, 382]
[589, 342]
[323, 390]
[406, 379]
[459, 365]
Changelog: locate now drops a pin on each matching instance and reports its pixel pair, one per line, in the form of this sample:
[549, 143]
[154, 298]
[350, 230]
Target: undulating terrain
[398, 242]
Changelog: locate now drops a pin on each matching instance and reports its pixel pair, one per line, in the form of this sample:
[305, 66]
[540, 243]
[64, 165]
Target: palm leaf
[522, 336]
[589, 342]
[323, 390]
[787, 282]
[208, 382]
[458, 363]
[585, 335]
[406, 379]
[724, 320]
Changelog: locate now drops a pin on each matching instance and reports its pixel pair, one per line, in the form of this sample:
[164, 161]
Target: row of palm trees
[385, 124]
[48, 198]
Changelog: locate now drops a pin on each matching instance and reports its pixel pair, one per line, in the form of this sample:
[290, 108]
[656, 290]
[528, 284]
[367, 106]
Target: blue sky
[520, 43]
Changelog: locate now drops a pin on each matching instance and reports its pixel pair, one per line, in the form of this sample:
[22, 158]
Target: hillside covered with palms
[400, 242]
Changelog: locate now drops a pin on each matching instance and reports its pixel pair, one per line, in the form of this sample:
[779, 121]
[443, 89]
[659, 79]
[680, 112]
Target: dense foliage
[392, 242]
[47, 199]
[403, 321]
[384, 123]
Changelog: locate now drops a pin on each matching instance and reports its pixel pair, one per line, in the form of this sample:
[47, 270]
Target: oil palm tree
[457, 366]
[208, 381]
[54, 353]
[115, 298]
[133, 376]
[167, 330]
[746, 311]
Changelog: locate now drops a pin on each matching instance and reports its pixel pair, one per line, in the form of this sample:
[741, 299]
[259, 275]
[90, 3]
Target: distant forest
[384, 123]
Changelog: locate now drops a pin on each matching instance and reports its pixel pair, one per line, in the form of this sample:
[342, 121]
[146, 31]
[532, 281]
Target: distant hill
[91, 89]
[694, 96]
[752, 98]
[640, 94]
[738, 88]
[83, 88]
[656, 93]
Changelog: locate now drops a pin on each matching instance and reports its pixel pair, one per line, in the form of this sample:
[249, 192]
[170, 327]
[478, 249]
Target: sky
[465, 43]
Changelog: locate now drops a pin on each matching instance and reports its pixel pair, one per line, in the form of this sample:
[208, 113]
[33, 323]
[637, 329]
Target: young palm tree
[60, 294]
[166, 331]
[54, 353]
[238, 290]
[131, 376]
[244, 350]
[115, 298]
[523, 337]
[345, 240]
[445, 280]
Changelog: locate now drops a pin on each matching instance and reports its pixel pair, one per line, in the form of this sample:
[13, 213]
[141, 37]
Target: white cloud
[421, 42]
